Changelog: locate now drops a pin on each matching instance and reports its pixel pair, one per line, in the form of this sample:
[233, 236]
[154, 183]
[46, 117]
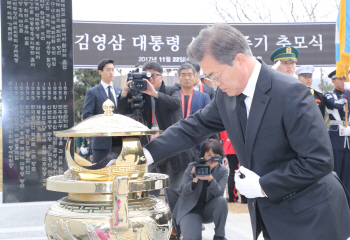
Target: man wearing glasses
[279, 137]
[162, 108]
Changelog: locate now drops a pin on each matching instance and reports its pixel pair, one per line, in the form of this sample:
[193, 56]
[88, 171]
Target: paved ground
[24, 221]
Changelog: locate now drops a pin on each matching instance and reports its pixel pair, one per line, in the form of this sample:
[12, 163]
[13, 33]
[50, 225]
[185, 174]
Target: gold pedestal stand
[108, 200]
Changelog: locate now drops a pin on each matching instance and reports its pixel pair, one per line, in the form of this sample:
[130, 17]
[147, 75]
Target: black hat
[333, 75]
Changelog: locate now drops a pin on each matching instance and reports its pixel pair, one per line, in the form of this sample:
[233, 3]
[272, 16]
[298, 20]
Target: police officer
[285, 59]
[339, 130]
[305, 77]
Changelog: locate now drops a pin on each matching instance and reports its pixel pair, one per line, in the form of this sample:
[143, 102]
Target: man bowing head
[279, 137]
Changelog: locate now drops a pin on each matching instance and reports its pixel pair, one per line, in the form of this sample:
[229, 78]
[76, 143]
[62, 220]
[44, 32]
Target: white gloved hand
[248, 186]
[341, 101]
[84, 150]
[344, 131]
[276, 65]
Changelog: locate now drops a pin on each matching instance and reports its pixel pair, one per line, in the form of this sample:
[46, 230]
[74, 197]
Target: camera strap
[201, 87]
[188, 105]
[154, 126]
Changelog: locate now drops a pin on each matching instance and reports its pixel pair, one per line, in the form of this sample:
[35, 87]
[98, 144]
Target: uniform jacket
[287, 145]
[168, 112]
[94, 99]
[189, 198]
[336, 112]
[319, 98]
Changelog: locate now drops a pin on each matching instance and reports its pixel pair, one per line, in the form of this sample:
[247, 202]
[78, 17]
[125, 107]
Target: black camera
[138, 84]
[202, 169]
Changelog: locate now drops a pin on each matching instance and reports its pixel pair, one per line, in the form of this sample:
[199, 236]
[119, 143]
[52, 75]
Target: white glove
[248, 186]
[276, 65]
[84, 150]
[341, 101]
[344, 131]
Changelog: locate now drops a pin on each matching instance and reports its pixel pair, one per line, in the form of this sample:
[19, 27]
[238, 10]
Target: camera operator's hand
[150, 89]
[208, 178]
[126, 89]
[195, 180]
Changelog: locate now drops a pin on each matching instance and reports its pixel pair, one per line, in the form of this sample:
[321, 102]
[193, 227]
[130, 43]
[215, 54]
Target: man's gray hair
[186, 66]
[221, 41]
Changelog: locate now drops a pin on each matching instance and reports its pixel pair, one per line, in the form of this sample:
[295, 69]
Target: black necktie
[111, 97]
[242, 112]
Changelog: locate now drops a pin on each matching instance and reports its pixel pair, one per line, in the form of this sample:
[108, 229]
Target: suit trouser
[342, 165]
[215, 210]
[260, 224]
[172, 192]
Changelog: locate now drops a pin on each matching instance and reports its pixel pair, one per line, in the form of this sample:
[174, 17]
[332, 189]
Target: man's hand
[344, 131]
[208, 178]
[126, 89]
[194, 179]
[150, 89]
[341, 101]
[248, 186]
[84, 150]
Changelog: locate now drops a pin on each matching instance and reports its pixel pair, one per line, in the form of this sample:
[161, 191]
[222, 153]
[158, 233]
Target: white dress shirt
[105, 86]
[197, 86]
[250, 88]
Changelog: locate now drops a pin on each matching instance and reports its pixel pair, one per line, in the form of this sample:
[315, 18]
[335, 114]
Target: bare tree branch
[285, 14]
[313, 10]
[336, 4]
[243, 12]
[307, 10]
[292, 11]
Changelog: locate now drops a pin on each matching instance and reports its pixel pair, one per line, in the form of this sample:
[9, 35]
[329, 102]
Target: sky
[194, 11]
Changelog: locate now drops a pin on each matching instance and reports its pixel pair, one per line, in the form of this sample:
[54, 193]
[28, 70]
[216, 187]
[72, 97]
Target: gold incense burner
[108, 200]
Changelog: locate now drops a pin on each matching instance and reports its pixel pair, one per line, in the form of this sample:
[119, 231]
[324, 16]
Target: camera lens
[139, 85]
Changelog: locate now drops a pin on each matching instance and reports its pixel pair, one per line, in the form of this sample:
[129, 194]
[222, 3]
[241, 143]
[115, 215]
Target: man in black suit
[162, 108]
[279, 137]
[94, 99]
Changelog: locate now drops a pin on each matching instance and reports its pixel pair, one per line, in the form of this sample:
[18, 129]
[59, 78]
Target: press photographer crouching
[161, 108]
[201, 194]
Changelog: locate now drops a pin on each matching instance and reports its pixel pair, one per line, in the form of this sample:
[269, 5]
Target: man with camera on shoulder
[161, 108]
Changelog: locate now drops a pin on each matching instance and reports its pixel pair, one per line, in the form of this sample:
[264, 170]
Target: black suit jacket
[168, 112]
[209, 90]
[287, 145]
[94, 99]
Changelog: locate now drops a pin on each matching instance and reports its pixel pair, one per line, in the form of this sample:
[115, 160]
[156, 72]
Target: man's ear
[100, 72]
[240, 58]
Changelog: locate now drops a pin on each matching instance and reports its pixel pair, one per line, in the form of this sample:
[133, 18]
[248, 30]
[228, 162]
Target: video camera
[138, 84]
[202, 169]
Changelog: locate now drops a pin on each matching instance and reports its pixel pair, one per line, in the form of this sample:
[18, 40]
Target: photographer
[201, 198]
[161, 109]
